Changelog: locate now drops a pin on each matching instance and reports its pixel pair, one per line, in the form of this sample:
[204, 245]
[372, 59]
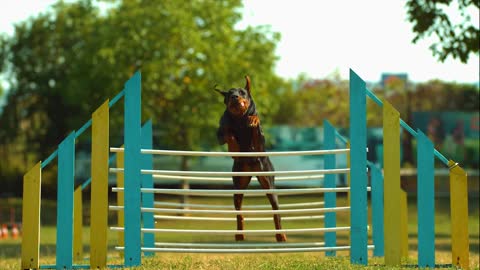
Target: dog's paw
[281, 237]
[239, 237]
[253, 121]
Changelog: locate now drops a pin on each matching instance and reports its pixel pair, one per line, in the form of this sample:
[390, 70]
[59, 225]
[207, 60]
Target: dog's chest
[248, 138]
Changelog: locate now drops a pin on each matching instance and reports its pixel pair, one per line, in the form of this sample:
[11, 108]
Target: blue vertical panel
[132, 167]
[329, 181]
[425, 201]
[377, 211]
[147, 182]
[358, 166]
[66, 169]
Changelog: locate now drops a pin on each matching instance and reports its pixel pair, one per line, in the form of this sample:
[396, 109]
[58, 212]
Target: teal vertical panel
[329, 181]
[147, 182]
[358, 166]
[65, 186]
[425, 201]
[132, 169]
[377, 210]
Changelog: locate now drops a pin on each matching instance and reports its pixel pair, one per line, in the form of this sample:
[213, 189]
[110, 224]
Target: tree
[313, 101]
[46, 65]
[456, 39]
[66, 62]
[437, 95]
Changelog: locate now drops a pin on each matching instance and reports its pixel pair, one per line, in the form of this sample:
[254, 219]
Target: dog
[240, 129]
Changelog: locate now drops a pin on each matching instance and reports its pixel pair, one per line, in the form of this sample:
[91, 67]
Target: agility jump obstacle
[136, 205]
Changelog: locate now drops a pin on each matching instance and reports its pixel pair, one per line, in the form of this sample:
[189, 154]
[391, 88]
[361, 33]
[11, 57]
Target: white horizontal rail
[164, 217]
[235, 154]
[214, 206]
[229, 179]
[213, 192]
[248, 232]
[253, 250]
[238, 212]
[237, 245]
[263, 173]
[248, 193]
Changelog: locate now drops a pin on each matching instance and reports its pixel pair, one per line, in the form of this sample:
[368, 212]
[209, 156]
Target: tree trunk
[185, 184]
[407, 138]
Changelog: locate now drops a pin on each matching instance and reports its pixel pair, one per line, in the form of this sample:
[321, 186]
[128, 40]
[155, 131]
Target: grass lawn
[10, 249]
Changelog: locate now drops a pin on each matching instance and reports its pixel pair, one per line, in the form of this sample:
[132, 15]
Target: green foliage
[64, 63]
[47, 66]
[456, 39]
[313, 101]
[307, 102]
[184, 49]
[446, 96]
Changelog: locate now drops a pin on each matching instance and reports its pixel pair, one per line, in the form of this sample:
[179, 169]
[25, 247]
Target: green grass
[10, 249]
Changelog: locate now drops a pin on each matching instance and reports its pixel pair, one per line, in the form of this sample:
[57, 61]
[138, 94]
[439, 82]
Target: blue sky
[323, 37]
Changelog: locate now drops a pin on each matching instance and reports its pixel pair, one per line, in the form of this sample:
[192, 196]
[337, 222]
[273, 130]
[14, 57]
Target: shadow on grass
[443, 242]
[14, 250]
[437, 266]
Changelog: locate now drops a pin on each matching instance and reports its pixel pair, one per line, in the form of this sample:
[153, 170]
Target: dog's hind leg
[239, 183]
[267, 183]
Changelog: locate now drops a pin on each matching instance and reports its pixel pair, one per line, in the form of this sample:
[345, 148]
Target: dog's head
[238, 100]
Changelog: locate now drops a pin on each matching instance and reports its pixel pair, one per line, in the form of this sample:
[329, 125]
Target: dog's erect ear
[247, 85]
[223, 93]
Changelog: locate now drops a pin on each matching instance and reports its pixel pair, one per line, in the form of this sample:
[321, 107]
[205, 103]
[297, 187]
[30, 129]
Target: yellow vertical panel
[392, 194]
[348, 184]
[404, 223]
[459, 215]
[120, 214]
[31, 217]
[348, 174]
[77, 224]
[99, 187]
